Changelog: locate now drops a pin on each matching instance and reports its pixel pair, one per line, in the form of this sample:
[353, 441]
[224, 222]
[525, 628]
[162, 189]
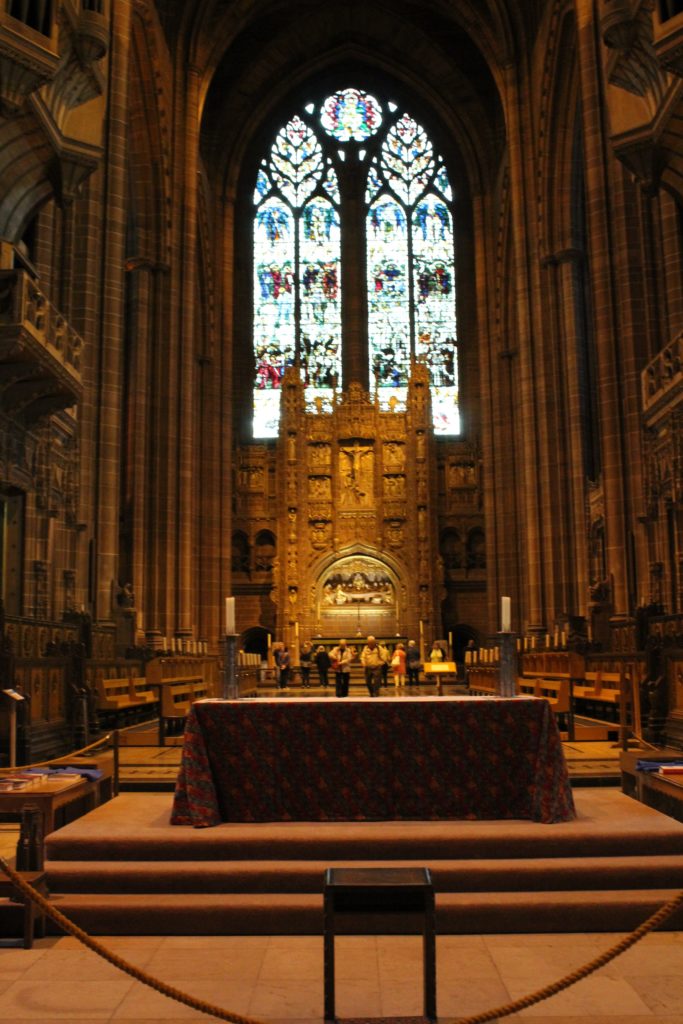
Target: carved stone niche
[320, 534]
[394, 456]
[394, 533]
[319, 457]
[320, 488]
[394, 486]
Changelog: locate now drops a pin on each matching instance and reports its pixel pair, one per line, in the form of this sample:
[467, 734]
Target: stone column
[527, 375]
[187, 453]
[110, 340]
[574, 588]
[138, 469]
[354, 299]
[601, 244]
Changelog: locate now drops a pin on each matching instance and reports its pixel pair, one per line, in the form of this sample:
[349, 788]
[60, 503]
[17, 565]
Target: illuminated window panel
[351, 115]
[434, 303]
[409, 252]
[388, 293]
[407, 159]
[296, 161]
[319, 400]
[393, 399]
[320, 292]
[445, 410]
[274, 328]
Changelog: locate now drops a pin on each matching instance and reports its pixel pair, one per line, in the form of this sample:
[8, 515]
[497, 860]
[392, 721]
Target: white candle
[229, 615]
[505, 614]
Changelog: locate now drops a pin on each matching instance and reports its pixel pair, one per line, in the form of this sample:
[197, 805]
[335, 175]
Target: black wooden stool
[362, 891]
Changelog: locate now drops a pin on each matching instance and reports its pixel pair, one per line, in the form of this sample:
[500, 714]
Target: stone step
[302, 914]
[450, 876]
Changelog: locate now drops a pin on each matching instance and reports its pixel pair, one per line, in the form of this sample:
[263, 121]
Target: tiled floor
[280, 978]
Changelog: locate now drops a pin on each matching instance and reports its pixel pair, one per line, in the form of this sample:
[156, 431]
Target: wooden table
[354, 892]
[49, 797]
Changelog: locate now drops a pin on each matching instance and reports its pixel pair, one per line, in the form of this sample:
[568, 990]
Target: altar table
[362, 759]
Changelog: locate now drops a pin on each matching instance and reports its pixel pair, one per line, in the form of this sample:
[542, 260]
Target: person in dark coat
[305, 659]
[413, 664]
[322, 661]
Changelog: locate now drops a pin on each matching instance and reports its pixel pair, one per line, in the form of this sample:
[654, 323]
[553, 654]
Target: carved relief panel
[356, 476]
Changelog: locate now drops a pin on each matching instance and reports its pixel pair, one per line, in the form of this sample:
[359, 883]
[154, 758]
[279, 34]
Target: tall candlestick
[505, 614]
[229, 615]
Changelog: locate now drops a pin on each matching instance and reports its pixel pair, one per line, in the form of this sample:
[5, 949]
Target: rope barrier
[524, 1002]
[117, 961]
[652, 922]
[58, 760]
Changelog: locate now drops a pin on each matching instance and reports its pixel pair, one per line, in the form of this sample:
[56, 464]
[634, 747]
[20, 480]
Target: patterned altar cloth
[368, 759]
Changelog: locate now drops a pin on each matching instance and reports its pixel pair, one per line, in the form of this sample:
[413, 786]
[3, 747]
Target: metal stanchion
[508, 660]
[231, 690]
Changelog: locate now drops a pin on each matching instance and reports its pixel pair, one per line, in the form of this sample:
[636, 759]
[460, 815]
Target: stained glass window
[300, 199]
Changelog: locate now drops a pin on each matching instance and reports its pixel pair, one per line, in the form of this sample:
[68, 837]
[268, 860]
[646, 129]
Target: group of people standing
[376, 659]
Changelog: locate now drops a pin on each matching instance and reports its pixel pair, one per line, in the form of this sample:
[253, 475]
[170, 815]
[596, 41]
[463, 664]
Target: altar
[363, 759]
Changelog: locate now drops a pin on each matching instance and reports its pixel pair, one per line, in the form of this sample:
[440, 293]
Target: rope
[57, 760]
[123, 965]
[649, 925]
[652, 922]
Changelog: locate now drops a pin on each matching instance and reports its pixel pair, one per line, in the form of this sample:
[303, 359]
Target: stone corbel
[618, 23]
[71, 167]
[627, 30]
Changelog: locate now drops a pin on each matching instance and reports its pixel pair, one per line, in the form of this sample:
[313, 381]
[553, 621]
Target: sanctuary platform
[124, 869]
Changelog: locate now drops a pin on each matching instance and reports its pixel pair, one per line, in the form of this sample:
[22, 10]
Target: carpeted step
[274, 913]
[535, 874]
[104, 835]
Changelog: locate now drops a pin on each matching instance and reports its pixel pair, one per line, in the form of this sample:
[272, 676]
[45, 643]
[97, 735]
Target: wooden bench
[121, 697]
[599, 695]
[526, 687]
[177, 696]
[556, 692]
[483, 680]
[179, 682]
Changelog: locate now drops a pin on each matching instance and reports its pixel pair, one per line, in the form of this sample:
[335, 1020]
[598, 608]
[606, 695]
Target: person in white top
[341, 657]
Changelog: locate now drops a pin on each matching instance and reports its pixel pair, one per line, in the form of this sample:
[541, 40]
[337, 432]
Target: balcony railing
[36, 14]
[40, 353]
